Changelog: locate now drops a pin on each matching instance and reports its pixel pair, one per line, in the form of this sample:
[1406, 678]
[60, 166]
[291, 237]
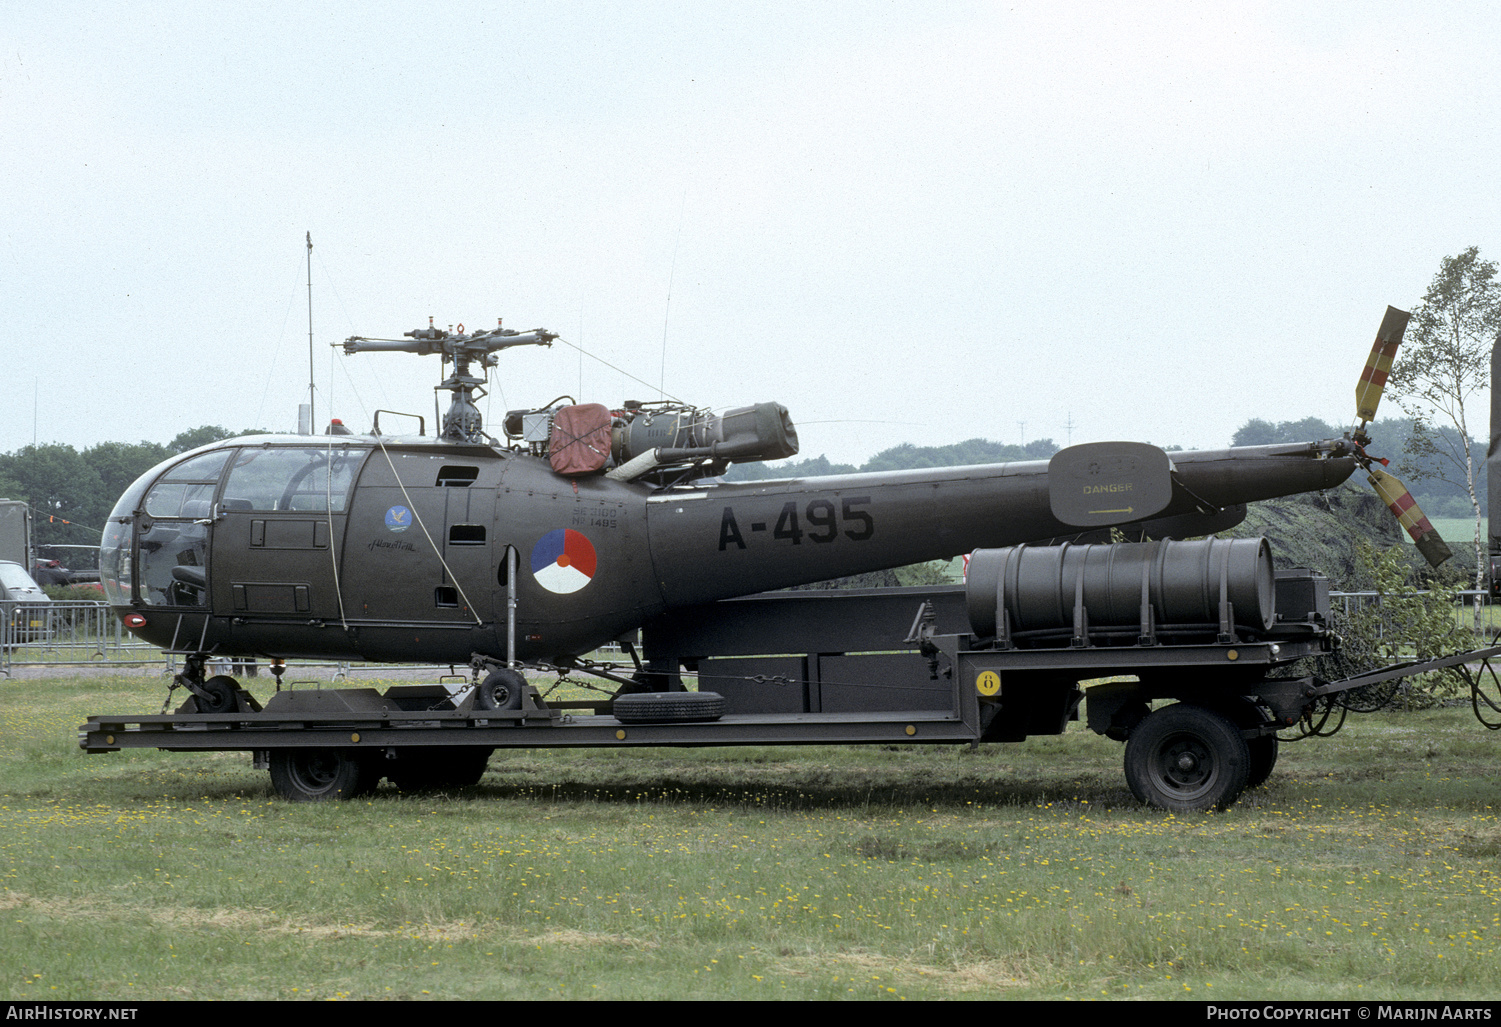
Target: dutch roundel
[563, 561]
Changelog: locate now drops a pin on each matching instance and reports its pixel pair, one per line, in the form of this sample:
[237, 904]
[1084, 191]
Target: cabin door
[418, 549]
[279, 528]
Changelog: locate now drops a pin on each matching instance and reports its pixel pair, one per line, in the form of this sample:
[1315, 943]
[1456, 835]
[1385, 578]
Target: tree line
[71, 492]
[1400, 439]
[901, 458]
[1415, 449]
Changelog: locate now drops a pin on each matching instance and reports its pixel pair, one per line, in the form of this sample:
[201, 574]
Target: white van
[22, 598]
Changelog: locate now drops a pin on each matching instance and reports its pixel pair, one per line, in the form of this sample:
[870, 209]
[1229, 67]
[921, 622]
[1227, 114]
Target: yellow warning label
[988, 683]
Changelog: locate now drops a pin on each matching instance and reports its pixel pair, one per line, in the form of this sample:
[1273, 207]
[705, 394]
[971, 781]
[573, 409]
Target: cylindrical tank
[1037, 586]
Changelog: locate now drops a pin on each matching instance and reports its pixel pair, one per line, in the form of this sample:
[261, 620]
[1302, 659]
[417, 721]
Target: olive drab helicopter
[583, 522]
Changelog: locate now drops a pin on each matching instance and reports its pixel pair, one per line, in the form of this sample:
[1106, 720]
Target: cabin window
[115, 571]
[181, 499]
[174, 560]
[456, 476]
[173, 541]
[187, 490]
[204, 467]
[466, 535]
[294, 478]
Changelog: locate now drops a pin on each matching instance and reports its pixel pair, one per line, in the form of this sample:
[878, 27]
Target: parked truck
[15, 532]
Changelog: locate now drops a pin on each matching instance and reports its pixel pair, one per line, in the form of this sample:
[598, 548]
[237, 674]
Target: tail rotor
[1393, 493]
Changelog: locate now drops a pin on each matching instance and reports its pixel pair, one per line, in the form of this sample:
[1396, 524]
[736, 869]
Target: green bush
[90, 591]
[1402, 623]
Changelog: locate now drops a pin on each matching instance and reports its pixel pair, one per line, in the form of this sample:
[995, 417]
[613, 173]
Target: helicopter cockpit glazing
[181, 506]
[174, 538]
[302, 479]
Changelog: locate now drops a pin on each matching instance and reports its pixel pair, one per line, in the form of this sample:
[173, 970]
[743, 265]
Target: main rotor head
[462, 422]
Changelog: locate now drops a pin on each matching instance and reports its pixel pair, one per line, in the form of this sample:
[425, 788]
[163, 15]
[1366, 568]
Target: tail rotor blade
[1379, 364]
[1395, 495]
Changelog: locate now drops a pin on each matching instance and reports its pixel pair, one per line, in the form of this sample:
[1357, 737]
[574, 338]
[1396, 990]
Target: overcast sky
[914, 222]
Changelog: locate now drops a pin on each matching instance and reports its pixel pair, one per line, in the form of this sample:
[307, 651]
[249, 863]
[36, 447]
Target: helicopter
[585, 521]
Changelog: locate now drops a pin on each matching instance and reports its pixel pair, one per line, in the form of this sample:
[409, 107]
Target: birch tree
[1444, 363]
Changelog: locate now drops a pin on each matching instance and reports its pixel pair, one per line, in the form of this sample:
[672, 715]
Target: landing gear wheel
[221, 697]
[1187, 759]
[316, 775]
[502, 689]
[667, 707]
[426, 770]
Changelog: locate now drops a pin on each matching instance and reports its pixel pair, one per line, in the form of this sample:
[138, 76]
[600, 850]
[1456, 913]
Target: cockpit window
[204, 467]
[115, 564]
[187, 490]
[180, 499]
[173, 538]
[301, 478]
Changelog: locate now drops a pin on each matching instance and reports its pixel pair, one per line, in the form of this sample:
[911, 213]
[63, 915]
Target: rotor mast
[462, 422]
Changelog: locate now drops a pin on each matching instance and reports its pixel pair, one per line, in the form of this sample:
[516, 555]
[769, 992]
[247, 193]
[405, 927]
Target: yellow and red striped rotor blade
[1379, 364]
[1395, 495]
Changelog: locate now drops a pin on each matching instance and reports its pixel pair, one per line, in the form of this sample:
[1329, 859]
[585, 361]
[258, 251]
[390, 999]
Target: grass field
[1366, 869]
[1457, 531]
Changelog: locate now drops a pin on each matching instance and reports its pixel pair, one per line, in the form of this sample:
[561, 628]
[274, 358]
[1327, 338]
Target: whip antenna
[312, 414]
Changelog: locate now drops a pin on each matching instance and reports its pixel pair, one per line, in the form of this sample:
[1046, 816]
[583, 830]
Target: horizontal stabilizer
[1103, 483]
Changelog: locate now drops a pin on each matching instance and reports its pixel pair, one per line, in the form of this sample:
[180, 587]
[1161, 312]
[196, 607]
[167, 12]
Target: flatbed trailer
[924, 665]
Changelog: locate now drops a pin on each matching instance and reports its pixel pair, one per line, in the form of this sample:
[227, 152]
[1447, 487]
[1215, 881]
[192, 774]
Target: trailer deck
[806, 668]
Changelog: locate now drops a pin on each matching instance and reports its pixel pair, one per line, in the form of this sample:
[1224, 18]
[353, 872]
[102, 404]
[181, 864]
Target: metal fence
[1350, 604]
[76, 634]
[67, 634]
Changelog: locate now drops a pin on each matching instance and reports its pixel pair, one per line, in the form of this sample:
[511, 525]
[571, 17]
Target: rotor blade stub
[1395, 495]
[1379, 364]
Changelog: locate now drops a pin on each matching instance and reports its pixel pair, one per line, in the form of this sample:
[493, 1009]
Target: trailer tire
[221, 695]
[1263, 748]
[667, 707]
[1263, 752]
[1187, 759]
[317, 775]
[502, 689]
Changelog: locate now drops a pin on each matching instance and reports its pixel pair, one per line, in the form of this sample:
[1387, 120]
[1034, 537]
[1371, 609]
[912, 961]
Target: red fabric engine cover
[580, 442]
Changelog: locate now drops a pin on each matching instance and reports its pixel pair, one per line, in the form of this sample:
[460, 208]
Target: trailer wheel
[221, 697]
[502, 689]
[314, 775]
[1187, 759]
[667, 707]
[1263, 748]
[1263, 752]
